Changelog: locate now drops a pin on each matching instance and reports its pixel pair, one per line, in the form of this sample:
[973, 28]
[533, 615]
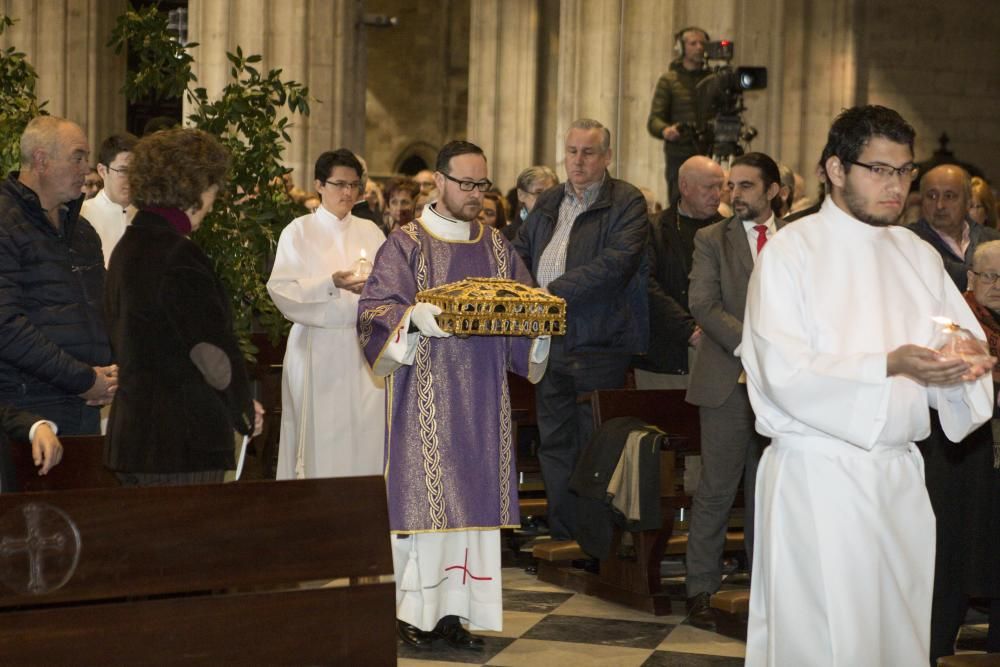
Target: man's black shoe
[413, 635]
[450, 628]
[700, 613]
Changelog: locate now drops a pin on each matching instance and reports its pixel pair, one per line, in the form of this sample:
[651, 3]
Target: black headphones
[679, 39]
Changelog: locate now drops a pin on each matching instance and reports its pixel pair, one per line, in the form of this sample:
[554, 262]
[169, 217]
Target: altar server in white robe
[837, 351]
[332, 418]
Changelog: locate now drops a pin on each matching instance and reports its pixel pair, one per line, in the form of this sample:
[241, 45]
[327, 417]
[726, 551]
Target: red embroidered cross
[465, 570]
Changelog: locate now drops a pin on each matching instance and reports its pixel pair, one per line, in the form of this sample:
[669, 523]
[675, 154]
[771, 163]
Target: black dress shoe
[451, 630]
[700, 613]
[414, 636]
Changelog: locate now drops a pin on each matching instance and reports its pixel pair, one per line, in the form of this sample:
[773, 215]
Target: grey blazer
[717, 297]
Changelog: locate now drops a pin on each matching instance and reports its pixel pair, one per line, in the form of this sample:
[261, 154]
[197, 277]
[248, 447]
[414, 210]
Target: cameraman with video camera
[672, 115]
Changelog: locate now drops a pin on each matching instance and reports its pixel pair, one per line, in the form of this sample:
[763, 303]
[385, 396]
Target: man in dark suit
[945, 194]
[673, 331]
[724, 258]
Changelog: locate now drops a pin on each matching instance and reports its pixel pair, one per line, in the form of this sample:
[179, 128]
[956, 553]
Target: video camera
[721, 132]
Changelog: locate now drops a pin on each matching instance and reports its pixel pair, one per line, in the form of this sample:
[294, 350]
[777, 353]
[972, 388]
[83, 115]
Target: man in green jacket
[674, 103]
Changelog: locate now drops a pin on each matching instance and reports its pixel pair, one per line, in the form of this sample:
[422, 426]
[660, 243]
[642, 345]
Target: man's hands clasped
[104, 387]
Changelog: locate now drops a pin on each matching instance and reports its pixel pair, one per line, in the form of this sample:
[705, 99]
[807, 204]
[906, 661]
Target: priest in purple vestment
[449, 450]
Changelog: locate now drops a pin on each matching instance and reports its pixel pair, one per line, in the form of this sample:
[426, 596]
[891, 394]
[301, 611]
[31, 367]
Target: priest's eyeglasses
[987, 277]
[469, 186]
[883, 172]
[344, 185]
[119, 170]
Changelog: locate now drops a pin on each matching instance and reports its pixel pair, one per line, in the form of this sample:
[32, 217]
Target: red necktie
[761, 236]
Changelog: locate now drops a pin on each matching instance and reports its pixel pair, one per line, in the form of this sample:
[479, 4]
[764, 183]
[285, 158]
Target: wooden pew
[212, 574]
[634, 583]
[81, 466]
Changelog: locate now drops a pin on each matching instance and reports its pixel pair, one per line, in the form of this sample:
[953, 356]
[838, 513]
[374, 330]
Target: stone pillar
[820, 79]
[78, 75]
[647, 51]
[319, 43]
[503, 82]
[611, 53]
[588, 82]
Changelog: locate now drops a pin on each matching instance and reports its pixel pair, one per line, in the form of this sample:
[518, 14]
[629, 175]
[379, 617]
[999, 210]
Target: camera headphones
[679, 39]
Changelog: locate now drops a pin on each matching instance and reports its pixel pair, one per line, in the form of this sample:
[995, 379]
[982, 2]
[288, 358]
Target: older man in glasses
[945, 194]
[449, 465]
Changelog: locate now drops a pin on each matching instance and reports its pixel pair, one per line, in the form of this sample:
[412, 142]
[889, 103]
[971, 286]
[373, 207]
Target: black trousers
[565, 425]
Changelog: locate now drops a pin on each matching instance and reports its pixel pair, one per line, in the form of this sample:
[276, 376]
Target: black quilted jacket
[51, 293]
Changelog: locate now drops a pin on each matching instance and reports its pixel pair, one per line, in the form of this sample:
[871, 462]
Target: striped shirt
[552, 263]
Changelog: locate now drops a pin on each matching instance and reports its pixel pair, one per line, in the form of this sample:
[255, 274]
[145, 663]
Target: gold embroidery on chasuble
[506, 436]
[367, 318]
[429, 442]
[500, 255]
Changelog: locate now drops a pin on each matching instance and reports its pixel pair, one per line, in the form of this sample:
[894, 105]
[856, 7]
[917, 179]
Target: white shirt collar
[105, 201]
[327, 215]
[750, 224]
[444, 227]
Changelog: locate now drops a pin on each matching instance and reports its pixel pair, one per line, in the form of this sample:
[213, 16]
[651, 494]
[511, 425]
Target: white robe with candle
[332, 415]
[844, 557]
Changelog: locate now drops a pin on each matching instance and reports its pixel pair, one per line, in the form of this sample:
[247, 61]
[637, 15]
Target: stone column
[503, 80]
[611, 53]
[78, 75]
[820, 78]
[588, 82]
[319, 43]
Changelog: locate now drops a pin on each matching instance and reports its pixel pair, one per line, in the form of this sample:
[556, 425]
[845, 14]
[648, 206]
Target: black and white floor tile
[546, 625]
[554, 627]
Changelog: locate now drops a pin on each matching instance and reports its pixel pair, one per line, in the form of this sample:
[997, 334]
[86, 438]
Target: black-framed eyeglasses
[884, 172]
[469, 186]
[987, 277]
[119, 170]
[344, 185]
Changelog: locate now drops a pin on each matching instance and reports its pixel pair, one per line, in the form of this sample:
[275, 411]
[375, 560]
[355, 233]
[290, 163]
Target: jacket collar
[30, 201]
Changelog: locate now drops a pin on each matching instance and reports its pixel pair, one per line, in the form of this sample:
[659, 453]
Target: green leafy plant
[18, 103]
[249, 117]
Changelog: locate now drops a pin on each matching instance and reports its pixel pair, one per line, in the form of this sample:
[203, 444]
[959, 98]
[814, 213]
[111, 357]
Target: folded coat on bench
[594, 471]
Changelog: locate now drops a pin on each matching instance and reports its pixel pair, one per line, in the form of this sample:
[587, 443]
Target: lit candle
[362, 267]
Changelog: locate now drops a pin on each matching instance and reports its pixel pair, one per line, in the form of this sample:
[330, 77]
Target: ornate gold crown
[496, 307]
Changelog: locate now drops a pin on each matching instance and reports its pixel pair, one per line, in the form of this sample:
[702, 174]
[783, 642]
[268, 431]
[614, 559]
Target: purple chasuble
[449, 450]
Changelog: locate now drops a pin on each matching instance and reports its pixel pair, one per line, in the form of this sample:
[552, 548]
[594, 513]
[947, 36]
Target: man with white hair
[586, 243]
[55, 358]
[673, 331]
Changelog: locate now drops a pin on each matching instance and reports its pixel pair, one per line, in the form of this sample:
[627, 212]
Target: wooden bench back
[81, 466]
[212, 574]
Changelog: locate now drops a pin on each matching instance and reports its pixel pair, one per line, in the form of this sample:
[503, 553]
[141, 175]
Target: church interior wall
[382, 90]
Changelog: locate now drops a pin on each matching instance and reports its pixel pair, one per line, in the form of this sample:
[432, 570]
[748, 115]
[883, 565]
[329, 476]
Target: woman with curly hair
[183, 385]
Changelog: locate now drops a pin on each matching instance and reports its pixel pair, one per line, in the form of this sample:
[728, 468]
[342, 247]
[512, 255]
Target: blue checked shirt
[552, 263]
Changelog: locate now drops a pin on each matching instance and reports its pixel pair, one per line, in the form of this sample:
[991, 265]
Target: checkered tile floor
[554, 627]
[551, 626]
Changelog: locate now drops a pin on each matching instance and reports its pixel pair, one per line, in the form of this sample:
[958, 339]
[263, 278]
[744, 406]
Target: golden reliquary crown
[496, 307]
